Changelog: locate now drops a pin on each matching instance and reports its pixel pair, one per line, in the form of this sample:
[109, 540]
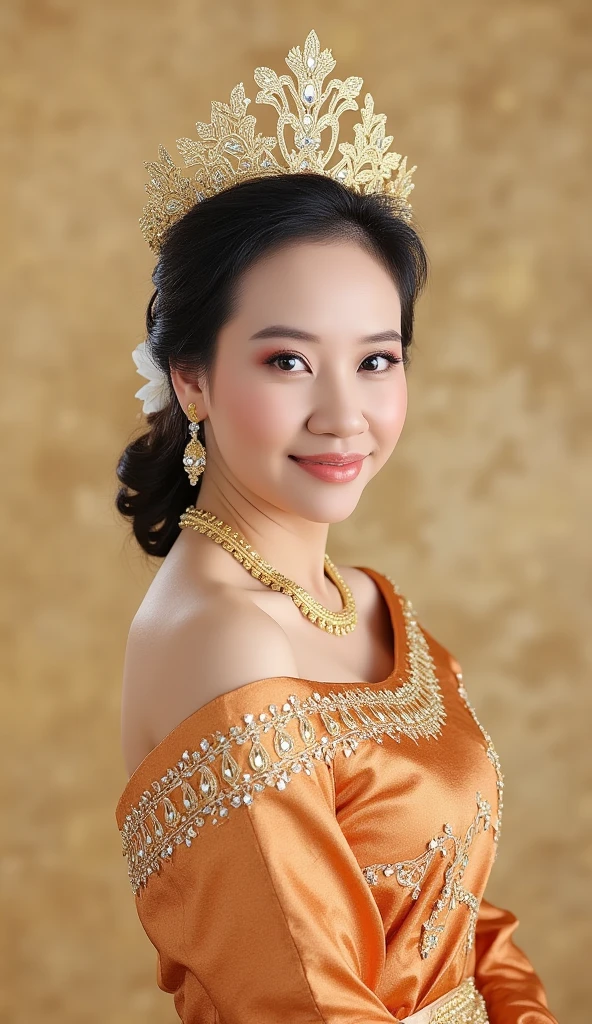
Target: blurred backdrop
[482, 515]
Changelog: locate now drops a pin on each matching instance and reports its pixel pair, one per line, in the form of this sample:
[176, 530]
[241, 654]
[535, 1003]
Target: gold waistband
[462, 1005]
[465, 1006]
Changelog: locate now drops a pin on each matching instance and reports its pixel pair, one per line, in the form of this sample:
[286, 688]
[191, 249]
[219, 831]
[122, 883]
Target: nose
[337, 409]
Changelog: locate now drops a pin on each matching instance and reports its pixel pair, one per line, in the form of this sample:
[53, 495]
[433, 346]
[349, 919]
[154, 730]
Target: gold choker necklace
[332, 622]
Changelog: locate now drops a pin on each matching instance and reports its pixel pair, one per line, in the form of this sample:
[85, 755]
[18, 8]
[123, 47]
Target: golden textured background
[480, 515]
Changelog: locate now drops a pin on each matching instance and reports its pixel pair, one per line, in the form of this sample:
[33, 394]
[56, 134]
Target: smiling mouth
[329, 462]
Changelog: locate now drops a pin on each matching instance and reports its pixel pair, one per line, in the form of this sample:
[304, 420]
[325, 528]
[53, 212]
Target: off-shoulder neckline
[399, 639]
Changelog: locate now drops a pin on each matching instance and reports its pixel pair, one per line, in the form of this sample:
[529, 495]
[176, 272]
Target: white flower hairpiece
[156, 393]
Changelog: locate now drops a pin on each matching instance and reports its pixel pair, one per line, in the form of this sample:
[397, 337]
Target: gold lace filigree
[411, 874]
[228, 771]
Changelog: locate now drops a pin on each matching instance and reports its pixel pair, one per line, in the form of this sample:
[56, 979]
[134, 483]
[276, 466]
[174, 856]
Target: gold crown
[228, 151]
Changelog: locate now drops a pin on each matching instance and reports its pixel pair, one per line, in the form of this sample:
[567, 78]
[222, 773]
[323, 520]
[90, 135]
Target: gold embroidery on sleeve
[493, 757]
[227, 771]
[411, 874]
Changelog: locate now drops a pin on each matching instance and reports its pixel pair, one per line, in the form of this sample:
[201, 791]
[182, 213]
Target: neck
[294, 546]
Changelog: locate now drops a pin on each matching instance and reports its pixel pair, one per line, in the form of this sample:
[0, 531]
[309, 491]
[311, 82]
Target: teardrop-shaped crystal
[348, 719]
[306, 729]
[157, 829]
[282, 742]
[259, 759]
[229, 769]
[146, 837]
[208, 785]
[171, 814]
[190, 800]
[365, 718]
[309, 93]
[331, 725]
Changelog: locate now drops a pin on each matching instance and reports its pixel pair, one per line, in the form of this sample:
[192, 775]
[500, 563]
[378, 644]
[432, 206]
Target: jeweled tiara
[228, 151]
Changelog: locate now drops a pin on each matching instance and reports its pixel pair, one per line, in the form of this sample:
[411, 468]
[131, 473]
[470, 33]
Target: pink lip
[331, 458]
[340, 473]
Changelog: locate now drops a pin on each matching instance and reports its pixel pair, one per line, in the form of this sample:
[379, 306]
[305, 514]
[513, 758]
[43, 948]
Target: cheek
[260, 415]
[389, 414]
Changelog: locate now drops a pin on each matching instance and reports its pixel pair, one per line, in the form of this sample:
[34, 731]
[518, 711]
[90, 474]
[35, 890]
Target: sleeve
[513, 992]
[267, 911]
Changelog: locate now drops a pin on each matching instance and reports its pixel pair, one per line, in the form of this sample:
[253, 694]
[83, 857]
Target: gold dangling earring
[194, 456]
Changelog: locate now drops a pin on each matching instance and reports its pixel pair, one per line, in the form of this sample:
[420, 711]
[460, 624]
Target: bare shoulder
[176, 664]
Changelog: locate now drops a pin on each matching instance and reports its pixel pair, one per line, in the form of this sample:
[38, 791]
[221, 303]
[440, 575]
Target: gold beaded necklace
[222, 533]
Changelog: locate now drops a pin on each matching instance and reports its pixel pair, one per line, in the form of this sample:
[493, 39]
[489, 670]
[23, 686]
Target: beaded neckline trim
[230, 770]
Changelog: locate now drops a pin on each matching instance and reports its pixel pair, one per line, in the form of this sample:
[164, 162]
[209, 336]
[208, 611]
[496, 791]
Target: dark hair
[200, 262]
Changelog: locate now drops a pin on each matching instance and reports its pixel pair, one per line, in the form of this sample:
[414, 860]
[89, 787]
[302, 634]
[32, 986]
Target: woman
[313, 807]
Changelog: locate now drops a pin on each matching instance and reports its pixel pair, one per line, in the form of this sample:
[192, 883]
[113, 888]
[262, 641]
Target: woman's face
[285, 394]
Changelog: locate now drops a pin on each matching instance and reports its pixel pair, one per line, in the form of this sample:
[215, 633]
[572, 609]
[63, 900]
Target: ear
[188, 390]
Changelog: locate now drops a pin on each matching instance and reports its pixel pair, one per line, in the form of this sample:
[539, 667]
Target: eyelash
[294, 355]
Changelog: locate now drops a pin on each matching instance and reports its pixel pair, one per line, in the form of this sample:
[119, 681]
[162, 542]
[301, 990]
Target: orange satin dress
[303, 851]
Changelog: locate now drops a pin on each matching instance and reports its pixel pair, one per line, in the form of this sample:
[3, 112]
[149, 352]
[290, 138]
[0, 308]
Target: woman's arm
[512, 990]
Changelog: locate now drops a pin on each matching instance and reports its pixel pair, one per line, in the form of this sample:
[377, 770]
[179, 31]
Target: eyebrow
[281, 331]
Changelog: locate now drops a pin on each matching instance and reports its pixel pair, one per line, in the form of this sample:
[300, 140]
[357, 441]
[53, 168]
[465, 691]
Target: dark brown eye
[386, 355]
[284, 357]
